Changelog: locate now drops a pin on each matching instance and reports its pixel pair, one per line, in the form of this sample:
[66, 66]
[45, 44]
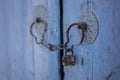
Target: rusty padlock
[68, 60]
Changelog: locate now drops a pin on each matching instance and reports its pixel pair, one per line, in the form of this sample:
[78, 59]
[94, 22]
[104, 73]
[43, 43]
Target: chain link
[51, 47]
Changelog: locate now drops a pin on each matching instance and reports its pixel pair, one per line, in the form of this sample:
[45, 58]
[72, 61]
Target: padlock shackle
[69, 50]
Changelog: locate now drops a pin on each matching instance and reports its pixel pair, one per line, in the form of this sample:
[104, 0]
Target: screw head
[38, 19]
[83, 26]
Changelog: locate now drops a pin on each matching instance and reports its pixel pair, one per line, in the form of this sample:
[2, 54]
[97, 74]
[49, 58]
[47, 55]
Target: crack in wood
[82, 61]
[116, 70]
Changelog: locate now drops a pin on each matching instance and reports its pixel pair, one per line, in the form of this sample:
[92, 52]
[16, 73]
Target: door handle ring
[82, 26]
[38, 20]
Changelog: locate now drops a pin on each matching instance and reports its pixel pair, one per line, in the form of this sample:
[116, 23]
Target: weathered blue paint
[46, 63]
[15, 43]
[20, 57]
[107, 47]
[101, 57]
[72, 10]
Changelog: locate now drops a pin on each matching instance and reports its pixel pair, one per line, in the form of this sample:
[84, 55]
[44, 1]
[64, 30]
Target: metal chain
[82, 26]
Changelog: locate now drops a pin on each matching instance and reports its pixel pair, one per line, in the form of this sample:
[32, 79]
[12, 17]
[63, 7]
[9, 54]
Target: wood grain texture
[83, 68]
[15, 41]
[101, 57]
[46, 63]
[20, 57]
[107, 47]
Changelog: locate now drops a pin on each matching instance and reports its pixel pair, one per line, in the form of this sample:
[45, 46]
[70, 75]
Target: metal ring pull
[48, 46]
[82, 26]
[70, 60]
[39, 20]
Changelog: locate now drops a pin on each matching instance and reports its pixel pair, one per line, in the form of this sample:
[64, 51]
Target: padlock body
[68, 60]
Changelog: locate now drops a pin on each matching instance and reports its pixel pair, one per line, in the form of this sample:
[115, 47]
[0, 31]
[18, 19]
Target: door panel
[99, 60]
[46, 63]
[15, 42]
[107, 47]
[83, 67]
[20, 57]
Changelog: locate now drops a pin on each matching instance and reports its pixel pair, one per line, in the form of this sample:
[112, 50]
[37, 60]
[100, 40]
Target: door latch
[87, 25]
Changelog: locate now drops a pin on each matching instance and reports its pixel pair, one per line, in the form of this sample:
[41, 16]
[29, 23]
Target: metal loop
[82, 26]
[69, 50]
[51, 47]
[38, 20]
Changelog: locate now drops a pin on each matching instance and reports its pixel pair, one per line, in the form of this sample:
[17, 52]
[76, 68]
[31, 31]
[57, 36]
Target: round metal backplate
[92, 26]
[40, 27]
[40, 11]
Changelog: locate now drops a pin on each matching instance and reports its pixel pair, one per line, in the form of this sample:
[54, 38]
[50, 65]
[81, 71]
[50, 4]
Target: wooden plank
[103, 54]
[4, 57]
[83, 67]
[107, 47]
[15, 40]
[46, 63]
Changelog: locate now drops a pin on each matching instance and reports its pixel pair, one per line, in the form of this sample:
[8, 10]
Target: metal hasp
[88, 25]
[38, 21]
[69, 60]
[40, 17]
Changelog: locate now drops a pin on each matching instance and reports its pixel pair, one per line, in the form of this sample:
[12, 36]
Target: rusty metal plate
[92, 26]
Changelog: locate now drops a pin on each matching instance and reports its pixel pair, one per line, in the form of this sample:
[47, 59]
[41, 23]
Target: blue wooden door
[99, 60]
[20, 57]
